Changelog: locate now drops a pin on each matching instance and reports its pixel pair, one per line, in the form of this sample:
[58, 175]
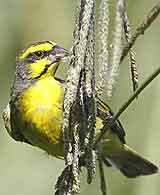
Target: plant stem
[141, 28]
[102, 177]
[127, 103]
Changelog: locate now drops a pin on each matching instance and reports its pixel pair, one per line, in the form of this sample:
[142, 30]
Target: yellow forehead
[39, 47]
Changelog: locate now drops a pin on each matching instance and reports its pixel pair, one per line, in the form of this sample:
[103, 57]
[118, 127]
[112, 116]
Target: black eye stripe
[38, 54]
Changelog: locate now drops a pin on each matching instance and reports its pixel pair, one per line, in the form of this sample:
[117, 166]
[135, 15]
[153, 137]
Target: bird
[34, 114]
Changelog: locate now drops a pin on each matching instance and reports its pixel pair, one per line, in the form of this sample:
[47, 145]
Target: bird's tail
[130, 163]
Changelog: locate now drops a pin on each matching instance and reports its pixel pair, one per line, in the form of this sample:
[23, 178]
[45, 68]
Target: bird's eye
[39, 54]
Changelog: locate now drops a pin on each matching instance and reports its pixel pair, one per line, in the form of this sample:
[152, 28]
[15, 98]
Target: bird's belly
[41, 117]
[43, 130]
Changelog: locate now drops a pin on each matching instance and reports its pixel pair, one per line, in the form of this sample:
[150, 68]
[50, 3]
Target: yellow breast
[41, 109]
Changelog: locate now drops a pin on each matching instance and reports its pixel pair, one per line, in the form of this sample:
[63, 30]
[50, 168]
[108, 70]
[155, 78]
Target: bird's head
[40, 60]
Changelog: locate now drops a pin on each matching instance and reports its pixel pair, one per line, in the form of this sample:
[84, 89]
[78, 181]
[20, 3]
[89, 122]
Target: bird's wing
[106, 114]
[6, 118]
[7, 123]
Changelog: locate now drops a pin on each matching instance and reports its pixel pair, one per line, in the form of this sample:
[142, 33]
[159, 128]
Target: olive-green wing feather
[106, 114]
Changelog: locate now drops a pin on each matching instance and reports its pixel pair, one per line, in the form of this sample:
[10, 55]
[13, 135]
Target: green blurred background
[26, 170]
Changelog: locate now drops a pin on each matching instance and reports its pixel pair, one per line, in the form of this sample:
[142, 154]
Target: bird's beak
[58, 54]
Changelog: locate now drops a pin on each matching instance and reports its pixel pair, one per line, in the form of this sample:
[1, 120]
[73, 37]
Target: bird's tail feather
[131, 164]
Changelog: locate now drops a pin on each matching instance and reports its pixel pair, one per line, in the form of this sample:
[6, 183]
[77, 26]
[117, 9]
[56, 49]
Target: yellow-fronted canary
[35, 112]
